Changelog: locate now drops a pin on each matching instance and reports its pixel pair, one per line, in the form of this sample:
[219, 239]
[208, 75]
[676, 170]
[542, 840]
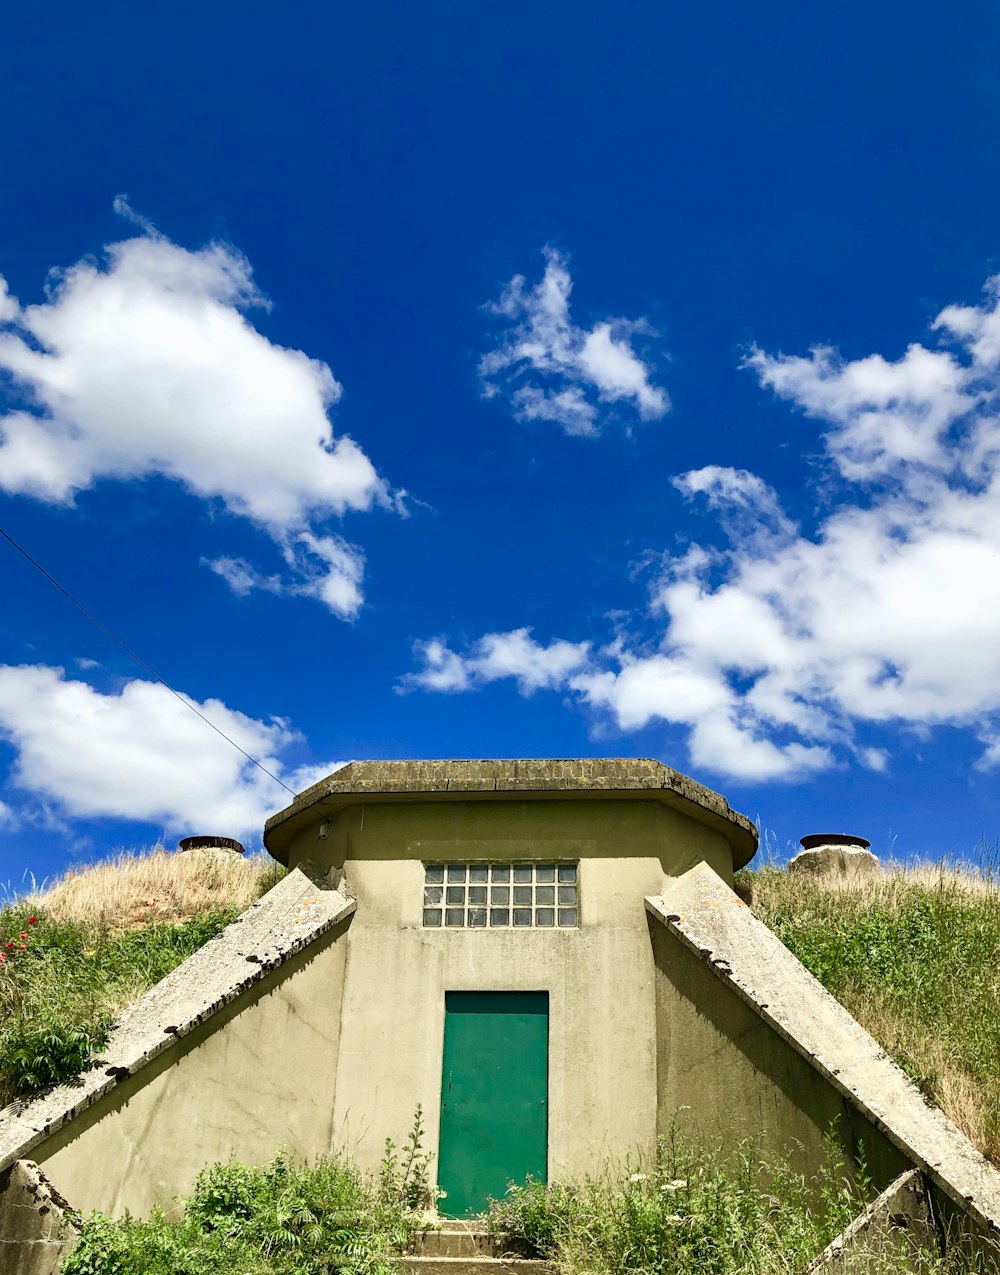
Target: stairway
[466, 1248]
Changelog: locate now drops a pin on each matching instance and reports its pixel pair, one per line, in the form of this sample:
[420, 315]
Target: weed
[404, 1177]
[284, 1218]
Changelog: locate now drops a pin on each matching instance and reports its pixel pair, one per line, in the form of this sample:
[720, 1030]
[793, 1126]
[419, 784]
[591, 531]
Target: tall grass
[692, 1212]
[914, 954]
[72, 957]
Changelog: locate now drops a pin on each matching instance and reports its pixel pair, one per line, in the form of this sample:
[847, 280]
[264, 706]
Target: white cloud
[145, 363]
[495, 656]
[774, 650]
[553, 370]
[325, 567]
[141, 755]
[242, 576]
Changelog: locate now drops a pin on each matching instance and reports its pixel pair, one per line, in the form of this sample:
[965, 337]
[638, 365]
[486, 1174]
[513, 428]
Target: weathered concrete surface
[707, 919]
[472, 1266]
[373, 782]
[467, 1241]
[835, 861]
[600, 977]
[172, 1092]
[35, 1232]
[898, 1221]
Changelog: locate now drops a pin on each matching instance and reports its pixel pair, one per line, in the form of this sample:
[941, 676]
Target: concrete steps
[473, 1265]
[466, 1248]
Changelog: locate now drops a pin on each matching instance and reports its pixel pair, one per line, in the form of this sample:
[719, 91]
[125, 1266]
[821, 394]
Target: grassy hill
[73, 956]
[914, 954]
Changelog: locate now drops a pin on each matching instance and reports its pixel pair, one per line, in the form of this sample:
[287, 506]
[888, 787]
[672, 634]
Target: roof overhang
[614, 778]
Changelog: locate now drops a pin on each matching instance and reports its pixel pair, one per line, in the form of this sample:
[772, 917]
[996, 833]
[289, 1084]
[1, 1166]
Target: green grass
[691, 1212]
[915, 956]
[74, 955]
[63, 983]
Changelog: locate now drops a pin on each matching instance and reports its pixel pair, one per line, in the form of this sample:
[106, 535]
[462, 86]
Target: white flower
[675, 1185]
[637, 1177]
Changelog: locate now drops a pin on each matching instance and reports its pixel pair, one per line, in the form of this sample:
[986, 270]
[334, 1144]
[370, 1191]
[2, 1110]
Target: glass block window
[479, 896]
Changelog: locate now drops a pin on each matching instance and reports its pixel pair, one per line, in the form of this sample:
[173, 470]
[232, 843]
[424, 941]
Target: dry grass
[134, 889]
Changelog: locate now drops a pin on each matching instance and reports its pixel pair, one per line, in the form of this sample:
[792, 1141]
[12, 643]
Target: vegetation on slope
[914, 954]
[72, 957]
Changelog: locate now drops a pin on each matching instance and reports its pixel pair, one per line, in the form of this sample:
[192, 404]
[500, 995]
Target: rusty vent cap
[816, 839]
[210, 843]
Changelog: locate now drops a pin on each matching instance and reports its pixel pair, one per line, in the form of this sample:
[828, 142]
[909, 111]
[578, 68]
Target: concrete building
[546, 956]
[499, 969]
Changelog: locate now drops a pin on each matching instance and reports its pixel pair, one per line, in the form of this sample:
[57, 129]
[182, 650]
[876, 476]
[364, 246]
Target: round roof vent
[816, 839]
[210, 843]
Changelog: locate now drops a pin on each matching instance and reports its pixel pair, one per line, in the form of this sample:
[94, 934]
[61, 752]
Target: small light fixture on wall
[324, 828]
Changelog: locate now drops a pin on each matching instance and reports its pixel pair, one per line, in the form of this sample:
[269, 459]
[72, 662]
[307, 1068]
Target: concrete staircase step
[471, 1240]
[472, 1266]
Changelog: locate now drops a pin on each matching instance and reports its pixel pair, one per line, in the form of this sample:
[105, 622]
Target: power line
[142, 663]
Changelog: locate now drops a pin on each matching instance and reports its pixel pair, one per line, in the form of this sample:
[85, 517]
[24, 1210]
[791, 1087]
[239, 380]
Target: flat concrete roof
[539, 779]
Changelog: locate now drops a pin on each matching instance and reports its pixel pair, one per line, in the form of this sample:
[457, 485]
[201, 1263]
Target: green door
[494, 1096]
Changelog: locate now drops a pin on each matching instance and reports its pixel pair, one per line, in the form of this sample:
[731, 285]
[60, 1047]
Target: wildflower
[637, 1177]
[675, 1185]
[138, 916]
[32, 920]
[21, 946]
[24, 936]
[3, 957]
[10, 946]
[92, 952]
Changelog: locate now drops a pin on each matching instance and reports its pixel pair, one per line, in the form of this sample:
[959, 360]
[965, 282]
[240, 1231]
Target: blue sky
[537, 380]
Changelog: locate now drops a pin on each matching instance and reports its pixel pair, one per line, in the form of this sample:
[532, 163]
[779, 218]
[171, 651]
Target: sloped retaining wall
[172, 1092]
[755, 1046]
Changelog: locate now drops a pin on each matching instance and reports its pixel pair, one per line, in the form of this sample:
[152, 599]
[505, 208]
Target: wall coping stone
[285, 921]
[718, 927]
[510, 779]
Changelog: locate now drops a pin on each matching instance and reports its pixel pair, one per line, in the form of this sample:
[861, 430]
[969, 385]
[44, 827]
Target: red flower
[138, 916]
[32, 920]
[3, 957]
[10, 945]
[23, 936]
[21, 947]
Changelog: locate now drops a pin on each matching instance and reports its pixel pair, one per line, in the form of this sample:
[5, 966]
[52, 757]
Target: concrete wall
[510, 829]
[739, 1080]
[258, 1076]
[600, 977]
